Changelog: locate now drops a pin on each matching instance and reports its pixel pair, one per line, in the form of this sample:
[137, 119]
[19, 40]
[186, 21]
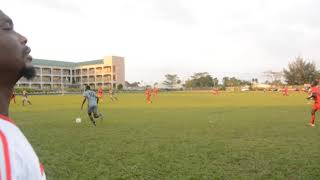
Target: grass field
[179, 136]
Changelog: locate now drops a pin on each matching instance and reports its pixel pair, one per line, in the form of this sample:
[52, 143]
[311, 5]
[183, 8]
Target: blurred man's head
[87, 87]
[15, 60]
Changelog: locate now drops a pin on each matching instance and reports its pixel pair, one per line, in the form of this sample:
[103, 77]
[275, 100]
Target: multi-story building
[107, 73]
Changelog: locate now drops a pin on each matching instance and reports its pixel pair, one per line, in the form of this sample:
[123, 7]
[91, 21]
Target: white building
[107, 73]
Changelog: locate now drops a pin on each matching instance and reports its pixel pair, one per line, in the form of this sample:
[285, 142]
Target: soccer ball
[78, 120]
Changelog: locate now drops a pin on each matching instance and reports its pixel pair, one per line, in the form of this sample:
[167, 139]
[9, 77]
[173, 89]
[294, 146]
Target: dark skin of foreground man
[17, 157]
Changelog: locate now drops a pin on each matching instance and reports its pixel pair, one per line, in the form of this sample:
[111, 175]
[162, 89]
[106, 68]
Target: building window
[46, 71]
[84, 71]
[91, 71]
[56, 71]
[46, 78]
[107, 69]
[114, 77]
[66, 72]
[57, 79]
[37, 70]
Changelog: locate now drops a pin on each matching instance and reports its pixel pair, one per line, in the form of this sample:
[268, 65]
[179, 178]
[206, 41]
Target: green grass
[179, 136]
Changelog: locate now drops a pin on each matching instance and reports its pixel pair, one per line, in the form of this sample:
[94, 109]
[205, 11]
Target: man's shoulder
[11, 132]
[18, 153]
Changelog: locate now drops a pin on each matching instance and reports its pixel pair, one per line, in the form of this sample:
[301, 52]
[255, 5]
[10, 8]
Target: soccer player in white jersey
[93, 101]
[18, 160]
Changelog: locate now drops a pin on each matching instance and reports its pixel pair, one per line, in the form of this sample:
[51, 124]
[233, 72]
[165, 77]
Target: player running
[112, 95]
[100, 94]
[215, 91]
[148, 95]
[155, 92]
[315, 95]
[285, 91]
[25, 98]
[92, 104]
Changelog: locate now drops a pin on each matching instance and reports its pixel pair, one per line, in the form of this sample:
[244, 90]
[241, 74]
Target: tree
[201, 80]
[171, 80]
[227, 82]
[120, 87]
[255, 80]
[215, 82]
[300, 72]
[274, 77]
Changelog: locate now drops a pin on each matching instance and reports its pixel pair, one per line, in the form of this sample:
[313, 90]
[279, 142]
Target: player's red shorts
[148, 97]
[316, 107]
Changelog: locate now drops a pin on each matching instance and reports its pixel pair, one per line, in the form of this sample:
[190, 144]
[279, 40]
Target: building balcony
[107, 72]
[107, 80]
[36, 80]
[46, 72]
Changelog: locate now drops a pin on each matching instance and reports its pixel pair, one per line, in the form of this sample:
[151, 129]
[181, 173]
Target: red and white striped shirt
[18, 161]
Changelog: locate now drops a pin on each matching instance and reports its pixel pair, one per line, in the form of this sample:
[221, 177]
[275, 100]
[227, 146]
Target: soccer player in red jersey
[155, 91]
[13, 96]
[148, 95]
[100, 94]
[315, 95]
[285, 91]
[215, 91]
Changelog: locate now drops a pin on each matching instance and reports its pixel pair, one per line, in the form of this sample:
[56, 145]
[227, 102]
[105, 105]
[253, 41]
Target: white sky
[225, 38]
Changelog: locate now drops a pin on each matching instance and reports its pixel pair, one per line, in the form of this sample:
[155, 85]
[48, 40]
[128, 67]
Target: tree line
[203, 80]
[298, 72]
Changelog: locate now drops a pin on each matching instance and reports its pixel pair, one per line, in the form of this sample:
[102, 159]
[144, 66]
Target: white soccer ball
[78, 120]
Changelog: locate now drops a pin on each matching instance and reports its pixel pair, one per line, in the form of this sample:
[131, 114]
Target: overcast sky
[225, 38]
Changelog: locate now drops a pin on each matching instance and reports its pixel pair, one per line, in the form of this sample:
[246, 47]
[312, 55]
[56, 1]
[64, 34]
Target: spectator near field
[93, 101]
[17, 157]
[25, 98]
[315, 95]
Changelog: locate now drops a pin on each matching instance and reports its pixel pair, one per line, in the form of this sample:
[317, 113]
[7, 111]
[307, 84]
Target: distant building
[107, 73]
